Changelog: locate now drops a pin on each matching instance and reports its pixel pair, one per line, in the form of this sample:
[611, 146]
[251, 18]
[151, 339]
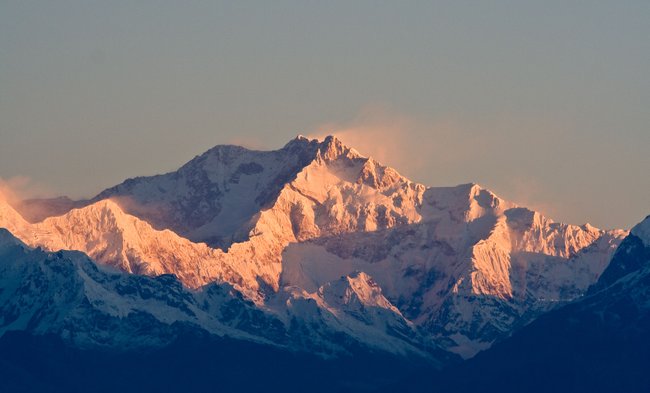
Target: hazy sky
[546, 104]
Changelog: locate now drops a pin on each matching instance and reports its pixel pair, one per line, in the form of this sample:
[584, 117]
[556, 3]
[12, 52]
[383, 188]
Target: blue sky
[545, 103]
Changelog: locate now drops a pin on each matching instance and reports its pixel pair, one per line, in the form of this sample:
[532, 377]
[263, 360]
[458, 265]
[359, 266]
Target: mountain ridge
[459, 264]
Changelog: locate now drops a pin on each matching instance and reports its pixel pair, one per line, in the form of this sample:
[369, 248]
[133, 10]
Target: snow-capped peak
[358, 287]
[331, 148]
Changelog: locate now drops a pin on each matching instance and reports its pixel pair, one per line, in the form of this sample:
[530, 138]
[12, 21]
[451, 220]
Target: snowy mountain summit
[318, 235]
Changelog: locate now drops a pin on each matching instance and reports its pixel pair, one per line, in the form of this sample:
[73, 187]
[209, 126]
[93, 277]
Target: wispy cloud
[415, 147]
[380, 133]
[18, 188]
[531, 193]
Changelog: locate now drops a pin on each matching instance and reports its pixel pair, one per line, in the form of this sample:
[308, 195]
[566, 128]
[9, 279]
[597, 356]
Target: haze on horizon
[545, 104]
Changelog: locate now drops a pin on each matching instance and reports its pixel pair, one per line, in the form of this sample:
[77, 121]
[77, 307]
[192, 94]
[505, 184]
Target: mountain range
[313, 254]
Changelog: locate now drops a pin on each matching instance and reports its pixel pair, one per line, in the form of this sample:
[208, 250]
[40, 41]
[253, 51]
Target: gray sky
[545, 103]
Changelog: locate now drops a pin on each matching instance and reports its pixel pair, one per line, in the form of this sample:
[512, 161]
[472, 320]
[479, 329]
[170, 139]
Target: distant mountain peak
[302, 139]
[359, 286]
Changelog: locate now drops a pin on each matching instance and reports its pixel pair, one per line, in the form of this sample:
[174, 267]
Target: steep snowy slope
[213, 197]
